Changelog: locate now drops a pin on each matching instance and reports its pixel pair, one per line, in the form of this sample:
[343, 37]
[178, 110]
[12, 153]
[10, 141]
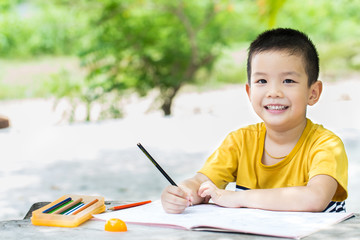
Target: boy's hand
[176, 199]
[220, 197]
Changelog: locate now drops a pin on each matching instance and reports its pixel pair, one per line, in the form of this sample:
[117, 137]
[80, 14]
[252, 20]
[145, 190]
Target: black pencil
[156, 164]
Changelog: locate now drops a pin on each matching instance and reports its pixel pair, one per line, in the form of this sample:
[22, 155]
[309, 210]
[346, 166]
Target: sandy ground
[42, 158]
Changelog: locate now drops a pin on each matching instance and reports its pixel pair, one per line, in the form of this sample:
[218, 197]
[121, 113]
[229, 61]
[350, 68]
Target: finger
[188, 193]
[185, 194]
[169, 197]
[191, 200]
[207, 199]
[175, 200]
[177, 191]
[200, 192]
[208, 184]
[205, 193]
[171, 207]
[175, 207]
[202, 189]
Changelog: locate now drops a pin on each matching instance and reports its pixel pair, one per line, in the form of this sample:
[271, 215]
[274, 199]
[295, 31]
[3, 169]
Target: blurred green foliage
[334, 28]
[36, 28]
[145, 44]
[162, 44]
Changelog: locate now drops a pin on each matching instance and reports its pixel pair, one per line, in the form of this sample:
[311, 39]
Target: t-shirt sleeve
[329, 158]
[221, 166]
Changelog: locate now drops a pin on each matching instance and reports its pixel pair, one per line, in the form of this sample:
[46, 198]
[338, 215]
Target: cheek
[301, 101]
[298, 96]
[252, 98]
[256, 102]
[256, 96]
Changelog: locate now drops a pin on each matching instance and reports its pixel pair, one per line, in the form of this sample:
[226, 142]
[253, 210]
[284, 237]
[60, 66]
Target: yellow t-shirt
[238, 159]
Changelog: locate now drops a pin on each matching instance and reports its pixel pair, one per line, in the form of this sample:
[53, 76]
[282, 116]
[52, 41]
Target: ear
[248, 90]
[315, 92]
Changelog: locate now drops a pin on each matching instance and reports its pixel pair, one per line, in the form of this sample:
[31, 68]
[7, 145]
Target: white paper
[254, 221]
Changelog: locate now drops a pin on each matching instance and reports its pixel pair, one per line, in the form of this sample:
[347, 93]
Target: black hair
[293, 41]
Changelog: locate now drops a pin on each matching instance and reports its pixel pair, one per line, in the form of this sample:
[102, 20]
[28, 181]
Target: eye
[261, 81]
[288, 81]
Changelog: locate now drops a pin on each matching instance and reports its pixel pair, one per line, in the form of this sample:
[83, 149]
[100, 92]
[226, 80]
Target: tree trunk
[166, 107]
[88, 111]
[167, 95]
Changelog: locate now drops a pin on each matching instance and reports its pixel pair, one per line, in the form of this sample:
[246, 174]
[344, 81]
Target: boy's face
[279, 91]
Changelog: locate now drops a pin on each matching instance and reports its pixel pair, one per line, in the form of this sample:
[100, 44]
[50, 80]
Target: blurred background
[81, 82]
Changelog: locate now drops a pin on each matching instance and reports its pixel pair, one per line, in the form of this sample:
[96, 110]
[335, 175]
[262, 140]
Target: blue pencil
[57, 205]
[71, 210]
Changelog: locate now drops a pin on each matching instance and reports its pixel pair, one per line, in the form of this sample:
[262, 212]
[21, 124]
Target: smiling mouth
[276, 107]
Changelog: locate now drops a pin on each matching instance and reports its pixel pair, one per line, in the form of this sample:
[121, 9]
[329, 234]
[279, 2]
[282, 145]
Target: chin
[275, 123]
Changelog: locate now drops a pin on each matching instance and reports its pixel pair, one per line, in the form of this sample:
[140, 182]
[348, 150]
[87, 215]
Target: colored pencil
[129, 205]
[64, 205]
[156, 164]
[84, 207]
[57, 205]
[73, 209]
[63, 209]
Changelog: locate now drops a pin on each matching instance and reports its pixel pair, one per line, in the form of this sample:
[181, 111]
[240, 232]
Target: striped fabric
[335, 207]
[331, 208]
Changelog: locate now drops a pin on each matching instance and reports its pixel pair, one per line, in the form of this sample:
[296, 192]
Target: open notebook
[214, 218]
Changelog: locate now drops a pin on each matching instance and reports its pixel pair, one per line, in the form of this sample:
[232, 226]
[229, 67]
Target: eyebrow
[291, 73]
[259, 74]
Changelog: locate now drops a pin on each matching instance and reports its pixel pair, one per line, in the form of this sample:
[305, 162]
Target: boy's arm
[176, 199]
[313, 197]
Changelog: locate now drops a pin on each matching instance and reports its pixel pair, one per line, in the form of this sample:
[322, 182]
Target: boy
[285, 163]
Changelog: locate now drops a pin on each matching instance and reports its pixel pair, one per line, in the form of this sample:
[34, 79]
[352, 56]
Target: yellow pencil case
[68, 211]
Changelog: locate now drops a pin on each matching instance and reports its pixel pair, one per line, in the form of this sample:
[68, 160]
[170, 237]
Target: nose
[274, 91]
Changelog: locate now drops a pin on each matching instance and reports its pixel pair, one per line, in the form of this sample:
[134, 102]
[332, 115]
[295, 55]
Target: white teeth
[275, 107]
